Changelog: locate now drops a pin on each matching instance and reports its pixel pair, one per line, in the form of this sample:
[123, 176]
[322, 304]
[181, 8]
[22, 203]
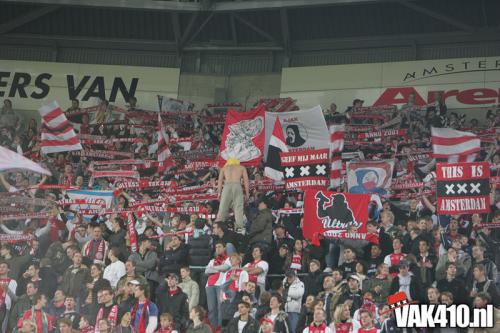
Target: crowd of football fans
[193, 274]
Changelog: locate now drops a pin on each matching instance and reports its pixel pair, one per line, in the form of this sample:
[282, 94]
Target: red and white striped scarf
[16, 238]
[132, 236]
[336, 146]
[146, 183]
[317, 329]
[253, 264]
[4, 286]
[235, 283]
[21, 216]
[112, 317]
[115, 173]
[212, 278]
[343, 328]
[296, 262]
[107, 154]
[99, 253]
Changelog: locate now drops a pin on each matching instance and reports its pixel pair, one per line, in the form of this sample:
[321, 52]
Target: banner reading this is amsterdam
[463, 188]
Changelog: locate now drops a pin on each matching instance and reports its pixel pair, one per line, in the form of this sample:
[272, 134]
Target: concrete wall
[244, 88]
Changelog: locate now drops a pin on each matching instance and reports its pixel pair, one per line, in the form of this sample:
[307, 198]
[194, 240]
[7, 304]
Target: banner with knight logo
[243, 137]
[306, 169]
[463, 188]
[335, 215]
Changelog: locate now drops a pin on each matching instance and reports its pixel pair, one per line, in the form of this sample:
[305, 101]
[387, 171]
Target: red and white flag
[335, 215]
[277, 145]
[455, 146]
[10, 160]
[163, 151]
[243, 137]
[336, 146]
[58, 134]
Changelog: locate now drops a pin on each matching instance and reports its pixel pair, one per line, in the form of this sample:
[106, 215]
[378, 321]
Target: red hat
[397, 300]
[266, 320]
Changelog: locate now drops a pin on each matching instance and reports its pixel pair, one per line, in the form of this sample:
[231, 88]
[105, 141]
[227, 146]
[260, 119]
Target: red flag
[243, 137]
[335, 215]
[273, 168]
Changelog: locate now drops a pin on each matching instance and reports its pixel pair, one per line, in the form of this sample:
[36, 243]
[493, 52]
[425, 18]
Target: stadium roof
[286, 27]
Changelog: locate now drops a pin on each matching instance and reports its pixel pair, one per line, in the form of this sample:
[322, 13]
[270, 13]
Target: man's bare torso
[233, 173]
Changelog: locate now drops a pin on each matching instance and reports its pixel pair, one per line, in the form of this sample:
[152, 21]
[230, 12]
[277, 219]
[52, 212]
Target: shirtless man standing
[232, 195]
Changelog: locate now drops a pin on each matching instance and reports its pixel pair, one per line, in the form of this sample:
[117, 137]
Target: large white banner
[465, 83]
[303, 129]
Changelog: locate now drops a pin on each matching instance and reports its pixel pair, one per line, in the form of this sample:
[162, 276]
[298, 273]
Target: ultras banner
[335, 215]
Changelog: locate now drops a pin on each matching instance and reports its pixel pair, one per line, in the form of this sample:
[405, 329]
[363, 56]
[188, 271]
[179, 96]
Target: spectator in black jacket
[313, 282]
[48, 275]
[452, 284]
[278, 258]
[280, 238]
[405, 281]
[199, 245]
[291, 222]
[171, 299]
[229, 237]
[175, 256]
[353, 293]
[373, 259]
[261, 229]
[426, 264]
[489, 266]
[481, 283]
[250, 325]
[145, 261]
[116, 237]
